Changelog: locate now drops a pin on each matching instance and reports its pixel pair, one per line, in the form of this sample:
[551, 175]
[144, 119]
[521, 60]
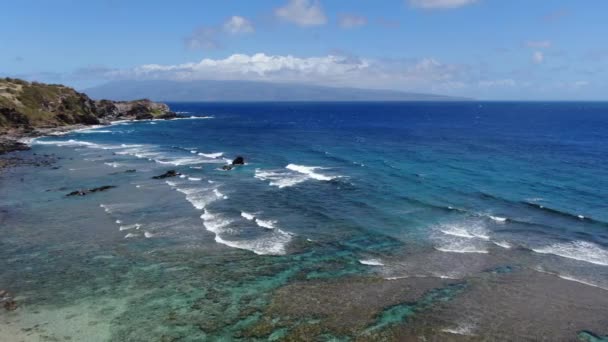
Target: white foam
[570, 278]
[577, 250]
[95, 131]
[272, 243]
[149, 235]
[113, 164]
[280, 179]
[581, 217]
[135, 226]
[198, 197]
[131, 235]
[371, 262]
[268, 224]
[193, 151]
[179, 161]
[498, 218]
[247, 216]
[182, 176]
[212, 155]
[503, 244]
[472, 231]
[118, 221]
[462, 329]
[218, 194]
[310, 171]
[465, 249]
[194, 178]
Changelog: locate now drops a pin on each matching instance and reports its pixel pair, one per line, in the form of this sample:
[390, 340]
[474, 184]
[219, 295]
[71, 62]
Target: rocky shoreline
[32, 109]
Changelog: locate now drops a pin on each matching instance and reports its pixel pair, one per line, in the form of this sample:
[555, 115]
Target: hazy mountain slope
[159, 90]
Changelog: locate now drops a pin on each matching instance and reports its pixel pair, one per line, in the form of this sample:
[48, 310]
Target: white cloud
[424, 75]
[440, 4]
[538, 57]
[348, 21]
[237, 25]
[540, 44]
[302, 13]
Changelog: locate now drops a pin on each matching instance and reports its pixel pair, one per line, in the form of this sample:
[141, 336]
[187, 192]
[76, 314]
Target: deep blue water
[330, 189]
[397, 169]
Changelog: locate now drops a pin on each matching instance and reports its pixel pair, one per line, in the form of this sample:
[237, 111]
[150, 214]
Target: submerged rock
[238, 161]
[227, 167]
[86, 192]
[168, 174]
[7, 300]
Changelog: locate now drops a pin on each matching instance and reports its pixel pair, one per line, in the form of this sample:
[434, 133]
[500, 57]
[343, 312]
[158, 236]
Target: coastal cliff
[32, 108]
[26, 106]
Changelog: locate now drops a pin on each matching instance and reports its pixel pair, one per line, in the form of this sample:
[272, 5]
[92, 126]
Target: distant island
[32, 109]
[247, 91]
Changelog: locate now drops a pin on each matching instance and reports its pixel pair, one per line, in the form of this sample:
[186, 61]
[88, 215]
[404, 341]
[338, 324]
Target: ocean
[348, 221]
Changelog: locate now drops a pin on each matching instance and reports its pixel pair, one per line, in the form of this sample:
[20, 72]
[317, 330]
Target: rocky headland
[30, 109]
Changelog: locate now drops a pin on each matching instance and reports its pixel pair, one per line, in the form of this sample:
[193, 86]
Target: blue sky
[486, 49]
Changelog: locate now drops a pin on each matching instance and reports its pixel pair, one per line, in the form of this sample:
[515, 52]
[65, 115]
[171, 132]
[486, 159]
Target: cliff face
[26, 106]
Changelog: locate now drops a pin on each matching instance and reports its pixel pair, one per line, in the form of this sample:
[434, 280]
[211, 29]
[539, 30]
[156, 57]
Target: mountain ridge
[248, 91]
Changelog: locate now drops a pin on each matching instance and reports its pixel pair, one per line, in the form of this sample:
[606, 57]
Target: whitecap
[135, 226]
[310, 171]
[280, 179]
[371, 262]
[268, 224]
[273, 242]
[464, 329]
[503, 244]
[577, 250]
[498, 218]
[194, 178]
[113, 164]
[247, 216]
[219, 194]
[212, 155]
[570, 278]
[149, 235]
[131, 235]
[465, 249]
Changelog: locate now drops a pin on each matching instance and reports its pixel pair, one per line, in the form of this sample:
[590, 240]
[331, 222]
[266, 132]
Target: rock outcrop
[168, 174]
[27, 106]
[88, 191]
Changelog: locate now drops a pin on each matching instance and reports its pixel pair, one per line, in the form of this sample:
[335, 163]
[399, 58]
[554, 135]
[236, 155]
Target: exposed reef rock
[86, 192]
[6, 298]
[168, 174]
[238, 161]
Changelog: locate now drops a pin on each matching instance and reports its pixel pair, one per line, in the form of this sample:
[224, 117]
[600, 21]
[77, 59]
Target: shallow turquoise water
[329, 190]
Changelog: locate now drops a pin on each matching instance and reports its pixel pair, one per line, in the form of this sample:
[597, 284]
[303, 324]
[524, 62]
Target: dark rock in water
[7, 145]
[7, 299]
[227, 167]
[238, 161]
[86, 192]
[168, 174]
[125, 171]
[10, 305]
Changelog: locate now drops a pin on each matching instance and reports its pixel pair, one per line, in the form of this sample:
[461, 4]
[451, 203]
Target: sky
[483, 49]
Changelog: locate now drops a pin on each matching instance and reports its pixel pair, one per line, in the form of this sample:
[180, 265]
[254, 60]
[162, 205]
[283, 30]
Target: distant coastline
[250, 91]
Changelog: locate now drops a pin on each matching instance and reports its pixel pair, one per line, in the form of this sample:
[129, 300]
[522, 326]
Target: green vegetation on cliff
[29, 105]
